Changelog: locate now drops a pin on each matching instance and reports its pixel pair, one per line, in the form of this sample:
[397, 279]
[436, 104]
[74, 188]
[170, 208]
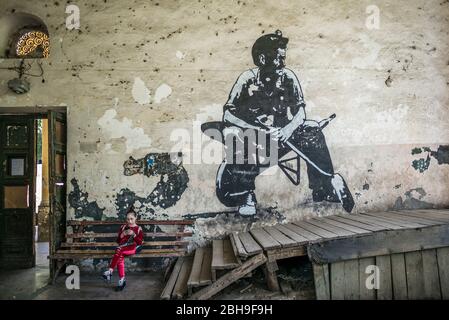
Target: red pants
[119, 259]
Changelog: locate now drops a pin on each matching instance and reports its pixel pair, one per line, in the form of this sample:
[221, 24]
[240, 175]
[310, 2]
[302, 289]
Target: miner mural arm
[269, 99]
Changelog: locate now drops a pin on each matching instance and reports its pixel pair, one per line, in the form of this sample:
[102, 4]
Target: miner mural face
[274, 61]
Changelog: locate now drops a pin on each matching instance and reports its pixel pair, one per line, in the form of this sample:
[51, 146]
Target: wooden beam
[284, 253]
[180, 289]
[114, 244]
[168, 289]
[140, 222]
[232, 276]
[114, 235]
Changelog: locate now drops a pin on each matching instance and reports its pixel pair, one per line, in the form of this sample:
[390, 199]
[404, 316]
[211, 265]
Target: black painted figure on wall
[269, 99]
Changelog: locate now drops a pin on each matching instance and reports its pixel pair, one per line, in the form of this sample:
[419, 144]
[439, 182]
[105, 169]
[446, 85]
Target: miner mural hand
[283, 134]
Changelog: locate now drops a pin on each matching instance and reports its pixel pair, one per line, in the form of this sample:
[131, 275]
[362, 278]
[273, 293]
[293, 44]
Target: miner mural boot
[249, 208]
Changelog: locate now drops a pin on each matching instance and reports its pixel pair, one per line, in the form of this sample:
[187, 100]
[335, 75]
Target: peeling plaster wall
[139, 70]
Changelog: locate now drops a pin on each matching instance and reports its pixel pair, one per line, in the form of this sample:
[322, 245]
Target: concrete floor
[33, 284]
[26, 283]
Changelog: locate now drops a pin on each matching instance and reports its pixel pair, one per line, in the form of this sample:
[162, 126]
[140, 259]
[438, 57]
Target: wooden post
[270, 269]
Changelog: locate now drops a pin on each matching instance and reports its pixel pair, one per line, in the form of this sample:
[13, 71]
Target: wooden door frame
[39, 113]
[29, 179]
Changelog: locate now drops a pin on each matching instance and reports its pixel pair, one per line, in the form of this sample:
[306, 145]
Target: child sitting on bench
[130, 237]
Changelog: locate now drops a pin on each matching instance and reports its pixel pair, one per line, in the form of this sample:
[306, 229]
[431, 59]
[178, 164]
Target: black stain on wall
[442, 154]
[78, 200]
[422, 164]
[366, 186]
[413, 200]
[169, 189]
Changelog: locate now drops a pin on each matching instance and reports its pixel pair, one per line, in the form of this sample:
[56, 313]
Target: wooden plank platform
[410, 247]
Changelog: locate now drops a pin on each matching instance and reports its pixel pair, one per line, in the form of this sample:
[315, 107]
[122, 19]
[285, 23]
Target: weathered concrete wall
[138, 70]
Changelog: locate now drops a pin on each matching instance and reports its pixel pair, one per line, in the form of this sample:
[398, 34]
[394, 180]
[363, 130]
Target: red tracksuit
[121, 252]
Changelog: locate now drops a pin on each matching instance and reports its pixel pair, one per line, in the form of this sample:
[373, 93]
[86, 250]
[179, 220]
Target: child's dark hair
[131, 211]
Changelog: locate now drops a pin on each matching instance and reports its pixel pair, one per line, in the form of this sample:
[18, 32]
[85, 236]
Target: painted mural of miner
[269, 98]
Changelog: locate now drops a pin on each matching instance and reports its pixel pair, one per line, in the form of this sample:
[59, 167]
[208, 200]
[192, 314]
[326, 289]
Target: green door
[57, 139]
[17, 195]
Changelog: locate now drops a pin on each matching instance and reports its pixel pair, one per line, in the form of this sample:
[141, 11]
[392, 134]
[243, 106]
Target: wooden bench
[87, 242]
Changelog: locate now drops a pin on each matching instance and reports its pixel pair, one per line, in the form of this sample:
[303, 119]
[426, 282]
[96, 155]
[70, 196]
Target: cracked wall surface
[138, 71]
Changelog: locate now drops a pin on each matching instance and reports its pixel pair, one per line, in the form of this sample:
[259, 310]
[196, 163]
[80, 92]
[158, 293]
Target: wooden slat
[330, 227]
[379, 217]
[346, 226]
[310, 236]
[399, 276]
[217, 254]
[280, 237]
[103, 251]
[140, 222]
[114, 244]
[375, 221]
[180, 289]
[381, 222]
[431, 277]
[168, 289]
[358, 224]
[337, 276]
[222, 255]
[442, 213]
[420, 220]
[229, 258]
[314, 229]
[385, 290]
[443, 268]
[114, 235]
[368, 224]
[230, 277]
[433, 216]
[402, 221]
[415, 280]
[194, 277]
[264, 239]
[321, 279]
[365, 293]
[379, 243]
[108, 255]
[206, 273]
[237, 245]
[351, 286]
[293, 235]
[251, 245]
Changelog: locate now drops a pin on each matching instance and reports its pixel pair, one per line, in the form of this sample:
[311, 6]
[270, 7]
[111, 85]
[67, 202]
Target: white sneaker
[249, 208]
[107, 275]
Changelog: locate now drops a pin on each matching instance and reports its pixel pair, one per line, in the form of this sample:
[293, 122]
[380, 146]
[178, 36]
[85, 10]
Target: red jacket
[138, 236]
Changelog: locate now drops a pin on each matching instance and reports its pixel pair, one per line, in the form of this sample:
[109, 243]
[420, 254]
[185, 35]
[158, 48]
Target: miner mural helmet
[267, 45]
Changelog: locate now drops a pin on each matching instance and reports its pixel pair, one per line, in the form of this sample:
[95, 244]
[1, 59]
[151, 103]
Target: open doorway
[32, 187]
